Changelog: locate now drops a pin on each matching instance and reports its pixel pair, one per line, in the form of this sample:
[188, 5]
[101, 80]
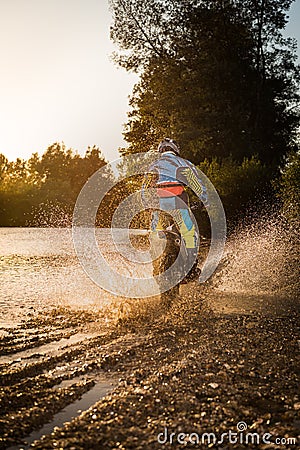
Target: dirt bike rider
[171, 175]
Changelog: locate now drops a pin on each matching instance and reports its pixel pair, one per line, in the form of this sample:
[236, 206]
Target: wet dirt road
[210, 362]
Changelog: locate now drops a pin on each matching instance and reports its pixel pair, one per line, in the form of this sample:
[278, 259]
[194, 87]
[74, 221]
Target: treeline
[219, 77]
[42, 190]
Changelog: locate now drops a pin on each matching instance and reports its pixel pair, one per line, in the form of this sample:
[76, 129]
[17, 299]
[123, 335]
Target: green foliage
[215, 75]
[288, 187]
[42, 190]
[238, 184]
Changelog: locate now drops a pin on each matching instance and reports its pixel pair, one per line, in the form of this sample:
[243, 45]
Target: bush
[288, 187]
[238, 184]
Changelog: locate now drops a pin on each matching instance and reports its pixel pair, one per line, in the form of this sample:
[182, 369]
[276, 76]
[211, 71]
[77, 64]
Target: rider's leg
[187, 229]
[160, 221]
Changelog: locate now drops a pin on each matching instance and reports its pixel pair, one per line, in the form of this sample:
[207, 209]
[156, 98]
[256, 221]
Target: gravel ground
[193, 369]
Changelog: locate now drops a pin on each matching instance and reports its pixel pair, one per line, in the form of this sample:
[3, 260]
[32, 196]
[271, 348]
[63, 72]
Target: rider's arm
[192, 180]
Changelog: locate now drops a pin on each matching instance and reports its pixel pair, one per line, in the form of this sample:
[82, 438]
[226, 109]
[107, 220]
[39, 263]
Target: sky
[57, 80]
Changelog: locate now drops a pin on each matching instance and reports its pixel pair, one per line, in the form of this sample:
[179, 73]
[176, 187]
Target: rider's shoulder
[171, 156]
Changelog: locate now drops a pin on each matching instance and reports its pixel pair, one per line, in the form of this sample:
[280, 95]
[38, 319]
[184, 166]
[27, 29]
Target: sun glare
[58, 82]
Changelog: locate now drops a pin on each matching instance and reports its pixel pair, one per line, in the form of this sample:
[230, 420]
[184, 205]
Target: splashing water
[261, 259]
[50, 215]
[39, 268]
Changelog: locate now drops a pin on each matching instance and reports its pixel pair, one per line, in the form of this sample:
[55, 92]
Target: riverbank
[199, 368]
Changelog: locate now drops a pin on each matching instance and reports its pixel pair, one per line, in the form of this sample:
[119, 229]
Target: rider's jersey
[172, 174]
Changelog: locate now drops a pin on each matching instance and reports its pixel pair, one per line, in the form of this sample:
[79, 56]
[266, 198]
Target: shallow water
[46, 350]
[100, 390]
[39, 269]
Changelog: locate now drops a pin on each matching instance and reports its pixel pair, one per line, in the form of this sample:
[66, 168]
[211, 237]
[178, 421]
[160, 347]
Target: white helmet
[168, 145]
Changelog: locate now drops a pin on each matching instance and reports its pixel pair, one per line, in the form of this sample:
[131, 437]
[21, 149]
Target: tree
[16, 192]
[43, 190]
[288, 187]
[216, 75]
[3, 167]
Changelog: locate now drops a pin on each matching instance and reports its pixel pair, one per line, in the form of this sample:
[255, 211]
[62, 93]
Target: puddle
[46, 349]
[100, 390]
[66, 383]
